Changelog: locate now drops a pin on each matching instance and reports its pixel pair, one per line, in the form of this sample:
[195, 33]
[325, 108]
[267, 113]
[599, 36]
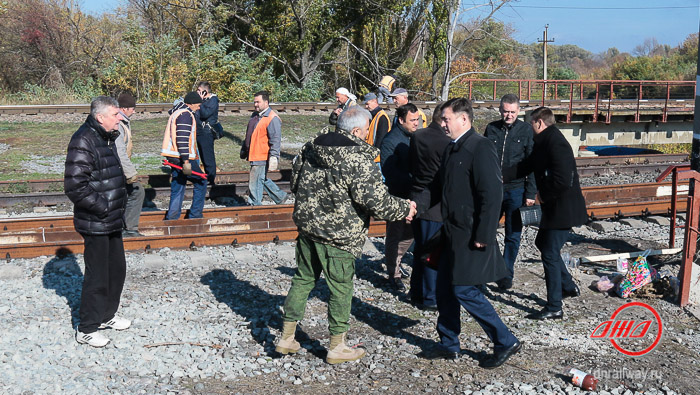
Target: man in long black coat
[425, 156]
[471, 203]
[563, 206]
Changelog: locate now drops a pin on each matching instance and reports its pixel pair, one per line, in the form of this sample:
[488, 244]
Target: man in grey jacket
[134, 189]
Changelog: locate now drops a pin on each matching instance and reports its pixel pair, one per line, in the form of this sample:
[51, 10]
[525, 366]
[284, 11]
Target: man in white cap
[400, 96]
[345, 99]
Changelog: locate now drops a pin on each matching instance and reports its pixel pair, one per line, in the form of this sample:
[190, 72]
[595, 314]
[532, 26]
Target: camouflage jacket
[338, 187]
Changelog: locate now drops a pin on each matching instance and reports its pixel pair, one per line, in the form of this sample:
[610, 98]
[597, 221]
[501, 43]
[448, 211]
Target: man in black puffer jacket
[94, 181]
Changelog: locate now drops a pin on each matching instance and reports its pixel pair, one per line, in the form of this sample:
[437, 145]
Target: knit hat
[399, 92]
[126, 100]
[346, 92]
[193, 98]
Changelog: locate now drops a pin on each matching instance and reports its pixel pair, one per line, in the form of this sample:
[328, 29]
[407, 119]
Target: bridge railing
[603, 95]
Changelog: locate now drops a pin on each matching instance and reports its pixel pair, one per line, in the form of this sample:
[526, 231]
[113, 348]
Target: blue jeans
[423, 278]
[556, 276]
[258, 181]
[177, 193]
[384, 92]
[512, 201]
[449, 299]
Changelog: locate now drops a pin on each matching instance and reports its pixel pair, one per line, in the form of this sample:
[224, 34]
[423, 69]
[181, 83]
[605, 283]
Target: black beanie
[192, 98]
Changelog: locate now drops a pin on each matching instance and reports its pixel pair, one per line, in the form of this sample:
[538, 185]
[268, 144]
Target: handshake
[412, 212]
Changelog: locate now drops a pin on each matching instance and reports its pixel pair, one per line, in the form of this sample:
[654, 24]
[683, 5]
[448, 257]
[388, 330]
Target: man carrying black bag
[563, 206]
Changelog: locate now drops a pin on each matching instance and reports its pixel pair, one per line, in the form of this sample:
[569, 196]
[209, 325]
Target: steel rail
[561, 107]
[31, 237]
[587, 166]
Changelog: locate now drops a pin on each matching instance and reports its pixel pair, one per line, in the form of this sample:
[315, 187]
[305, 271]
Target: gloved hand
[187, 168]
[132, 179]
[273, 163]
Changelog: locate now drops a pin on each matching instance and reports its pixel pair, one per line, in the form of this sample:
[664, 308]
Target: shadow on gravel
[63, 275]
[388, 324]
[493, 293]
[257, 306]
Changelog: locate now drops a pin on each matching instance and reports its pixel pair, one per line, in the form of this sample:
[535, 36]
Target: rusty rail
[31, 237]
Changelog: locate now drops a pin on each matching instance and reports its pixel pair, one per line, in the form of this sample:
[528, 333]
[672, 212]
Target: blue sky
[595, 25]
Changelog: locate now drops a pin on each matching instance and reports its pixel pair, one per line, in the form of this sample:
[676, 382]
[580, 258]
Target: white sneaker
[94, 339]
[117, 323]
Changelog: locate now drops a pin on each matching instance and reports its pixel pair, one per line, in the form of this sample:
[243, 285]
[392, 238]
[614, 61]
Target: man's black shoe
[397, 284]
[500, 357]
[439, 353]
[571, 294]
[131, 233]
[505, 284]
[428, 307]
[546, 315]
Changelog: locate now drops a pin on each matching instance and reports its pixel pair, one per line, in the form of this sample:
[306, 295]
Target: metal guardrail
[598, 99]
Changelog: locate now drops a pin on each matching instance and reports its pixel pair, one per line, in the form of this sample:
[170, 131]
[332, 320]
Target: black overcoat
[554, 165]
[472, 190]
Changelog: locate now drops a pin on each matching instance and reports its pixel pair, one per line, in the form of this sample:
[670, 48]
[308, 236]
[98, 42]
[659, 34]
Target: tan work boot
[339, 352]
[287, 344]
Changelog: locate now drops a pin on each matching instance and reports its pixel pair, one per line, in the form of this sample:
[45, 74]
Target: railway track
[50, 192]
[31, 237]
[306, 107]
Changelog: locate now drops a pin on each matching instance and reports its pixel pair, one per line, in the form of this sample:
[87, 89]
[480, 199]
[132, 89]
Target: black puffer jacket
[94, 180]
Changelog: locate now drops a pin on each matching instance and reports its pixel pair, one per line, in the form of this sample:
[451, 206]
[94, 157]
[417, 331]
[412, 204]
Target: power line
[604, 8]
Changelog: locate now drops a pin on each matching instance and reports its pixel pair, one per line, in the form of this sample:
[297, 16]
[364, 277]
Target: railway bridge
[589, 112]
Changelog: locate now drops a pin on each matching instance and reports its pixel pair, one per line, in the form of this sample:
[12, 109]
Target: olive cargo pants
[338, 268]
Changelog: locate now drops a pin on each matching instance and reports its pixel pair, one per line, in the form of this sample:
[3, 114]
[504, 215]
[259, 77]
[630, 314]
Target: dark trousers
[105, 272]
[205, 145]
[423, 278]
[556, 276]
[451, 297]
[512, 201]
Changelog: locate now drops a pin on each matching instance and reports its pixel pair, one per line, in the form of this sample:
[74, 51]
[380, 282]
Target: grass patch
[50, 141]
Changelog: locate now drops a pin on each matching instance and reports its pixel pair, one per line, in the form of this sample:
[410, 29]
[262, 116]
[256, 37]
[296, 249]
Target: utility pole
[544, 42]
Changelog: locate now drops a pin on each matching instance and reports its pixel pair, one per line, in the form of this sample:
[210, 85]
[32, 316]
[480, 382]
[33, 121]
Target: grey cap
[370, 96]
[399, 92]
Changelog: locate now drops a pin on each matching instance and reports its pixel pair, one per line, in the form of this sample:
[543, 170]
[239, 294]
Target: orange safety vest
[373, 129]
[170, 137]
[259, 142]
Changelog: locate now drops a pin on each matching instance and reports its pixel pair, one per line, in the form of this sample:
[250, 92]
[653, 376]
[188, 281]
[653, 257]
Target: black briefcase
[530, 215]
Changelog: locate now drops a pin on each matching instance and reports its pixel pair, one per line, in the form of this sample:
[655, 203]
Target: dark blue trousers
[512, 201]
[556, 276]
[451, 297]
[423, 278]
[205, 145]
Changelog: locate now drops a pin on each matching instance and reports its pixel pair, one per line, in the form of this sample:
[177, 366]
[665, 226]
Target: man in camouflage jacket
[337, 188]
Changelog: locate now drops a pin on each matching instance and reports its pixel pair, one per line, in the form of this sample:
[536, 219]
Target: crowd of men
[442, 187]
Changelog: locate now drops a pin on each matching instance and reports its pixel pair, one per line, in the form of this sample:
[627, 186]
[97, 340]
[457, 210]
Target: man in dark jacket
[180, 149]
[513, 140]
[471, 200]
[207, 115]
[337, 188]
[395, 165]
[563, 206]
[95, 183]
[425, 155]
